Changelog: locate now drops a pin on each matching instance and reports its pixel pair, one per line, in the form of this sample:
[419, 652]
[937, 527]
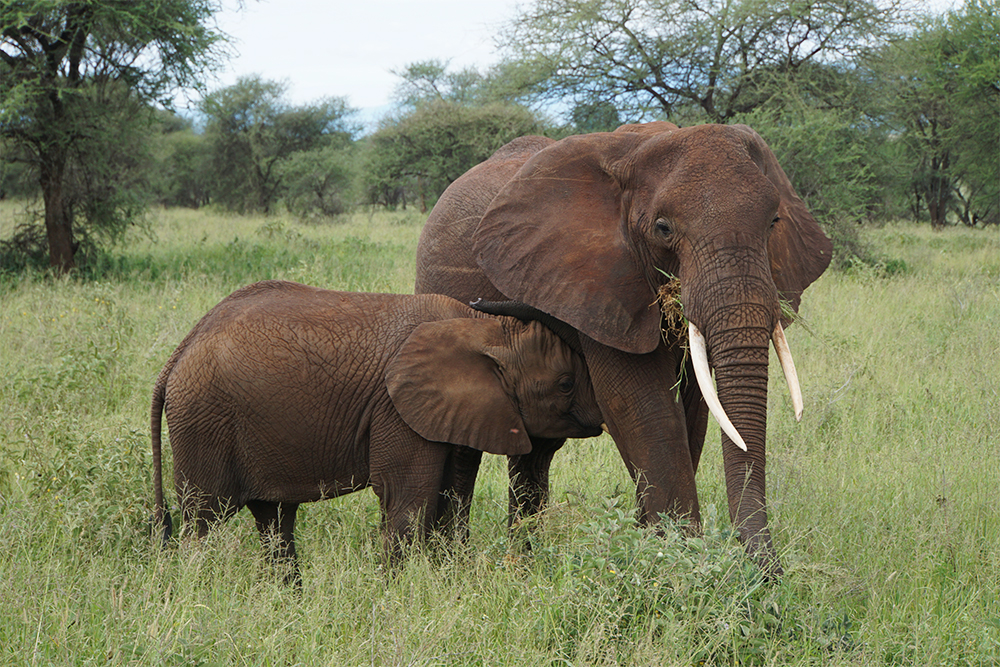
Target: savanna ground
[885, 499]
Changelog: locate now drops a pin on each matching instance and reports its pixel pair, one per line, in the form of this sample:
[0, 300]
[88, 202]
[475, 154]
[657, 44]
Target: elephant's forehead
[704, 173]
[692, 151]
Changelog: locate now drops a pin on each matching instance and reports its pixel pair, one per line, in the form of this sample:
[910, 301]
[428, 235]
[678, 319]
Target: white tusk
[699, 357]
[788, 366]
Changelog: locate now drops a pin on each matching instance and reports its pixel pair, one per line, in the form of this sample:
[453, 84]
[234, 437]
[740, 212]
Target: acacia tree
[430, 80]
[660, 58]
[68, 67]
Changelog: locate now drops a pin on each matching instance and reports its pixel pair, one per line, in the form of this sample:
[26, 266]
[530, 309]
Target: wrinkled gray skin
[285, 394]
[584, 229]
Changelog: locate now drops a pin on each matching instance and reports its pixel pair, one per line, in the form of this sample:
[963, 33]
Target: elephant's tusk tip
[604, 427]
[788, 367]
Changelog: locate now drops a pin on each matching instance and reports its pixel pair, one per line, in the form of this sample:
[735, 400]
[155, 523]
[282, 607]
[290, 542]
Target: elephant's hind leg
[276, 524]
[202, 509]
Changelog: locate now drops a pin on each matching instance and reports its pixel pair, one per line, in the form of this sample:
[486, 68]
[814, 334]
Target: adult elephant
[585, 229]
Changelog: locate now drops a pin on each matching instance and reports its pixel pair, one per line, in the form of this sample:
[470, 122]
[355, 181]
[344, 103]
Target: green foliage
[644, 585]
[425, 150]
[589, 117]
[654, 58]
[318, 183]
[104, 188]
[254, 132]
[940, 91]
[830, 162]
[182, 170]
[430, 80]
[78, 78]
[447, 122]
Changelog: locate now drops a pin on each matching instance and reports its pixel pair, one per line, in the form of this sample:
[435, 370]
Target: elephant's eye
[566, 384]
[664, 227]
[775, 221]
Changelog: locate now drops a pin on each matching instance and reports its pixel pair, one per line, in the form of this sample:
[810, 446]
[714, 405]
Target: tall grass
[885, 500]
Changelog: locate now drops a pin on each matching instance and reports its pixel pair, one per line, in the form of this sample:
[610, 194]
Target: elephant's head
[589, 225]
[491, 382]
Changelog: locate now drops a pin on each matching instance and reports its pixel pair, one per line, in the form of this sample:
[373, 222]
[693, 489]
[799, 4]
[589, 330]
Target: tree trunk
[58, 220]
[420, 192]
[938, 193]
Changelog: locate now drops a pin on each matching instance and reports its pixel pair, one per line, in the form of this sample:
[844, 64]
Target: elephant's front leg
[406, 475]
[638, 398]
[529, 479]
[457, 486]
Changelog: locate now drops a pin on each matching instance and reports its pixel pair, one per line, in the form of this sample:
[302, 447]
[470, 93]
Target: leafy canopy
[658, 58]
[254, 131]
[940, 94]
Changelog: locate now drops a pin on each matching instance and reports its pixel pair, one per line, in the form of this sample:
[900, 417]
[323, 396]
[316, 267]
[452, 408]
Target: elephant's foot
[760, 548]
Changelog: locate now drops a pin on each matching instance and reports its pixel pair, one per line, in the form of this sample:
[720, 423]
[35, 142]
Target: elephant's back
[445, 262]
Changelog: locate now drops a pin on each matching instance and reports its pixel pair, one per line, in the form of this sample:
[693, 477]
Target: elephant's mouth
[673, 319]
[703, 373]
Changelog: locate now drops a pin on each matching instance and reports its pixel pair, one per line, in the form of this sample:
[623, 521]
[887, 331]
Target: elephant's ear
[553, 238]
[798, 248]
[447, 388]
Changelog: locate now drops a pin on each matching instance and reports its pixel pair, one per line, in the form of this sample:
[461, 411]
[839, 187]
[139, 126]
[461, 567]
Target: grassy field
[885, 500]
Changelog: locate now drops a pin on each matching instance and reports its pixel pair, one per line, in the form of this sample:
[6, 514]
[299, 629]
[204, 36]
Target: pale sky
[347, 49]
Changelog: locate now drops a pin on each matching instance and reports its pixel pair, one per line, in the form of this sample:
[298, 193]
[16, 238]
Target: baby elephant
[284, 394]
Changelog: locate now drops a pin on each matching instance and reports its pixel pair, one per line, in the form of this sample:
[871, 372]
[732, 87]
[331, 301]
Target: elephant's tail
[161, 517]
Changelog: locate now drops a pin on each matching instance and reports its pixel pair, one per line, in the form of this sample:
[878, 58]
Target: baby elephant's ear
[448, 389]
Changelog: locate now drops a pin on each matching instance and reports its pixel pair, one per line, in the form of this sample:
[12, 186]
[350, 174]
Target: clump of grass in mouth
[673, 323]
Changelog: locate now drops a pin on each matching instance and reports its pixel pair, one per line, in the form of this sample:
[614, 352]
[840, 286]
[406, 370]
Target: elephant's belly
[307, 472]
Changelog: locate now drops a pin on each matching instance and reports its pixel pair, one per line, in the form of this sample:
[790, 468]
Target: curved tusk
[788, 366]
[699, 357]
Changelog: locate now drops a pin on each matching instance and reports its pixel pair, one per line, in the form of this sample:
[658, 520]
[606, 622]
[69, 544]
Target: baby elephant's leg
[203, 509]
[457, 487]
[407, 480]
[276, 523]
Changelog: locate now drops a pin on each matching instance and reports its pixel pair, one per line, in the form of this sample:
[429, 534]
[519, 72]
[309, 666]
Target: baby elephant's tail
[161, 517]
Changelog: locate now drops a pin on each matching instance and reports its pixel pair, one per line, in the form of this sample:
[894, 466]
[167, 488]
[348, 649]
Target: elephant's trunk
[741, 378]
[738, 336]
